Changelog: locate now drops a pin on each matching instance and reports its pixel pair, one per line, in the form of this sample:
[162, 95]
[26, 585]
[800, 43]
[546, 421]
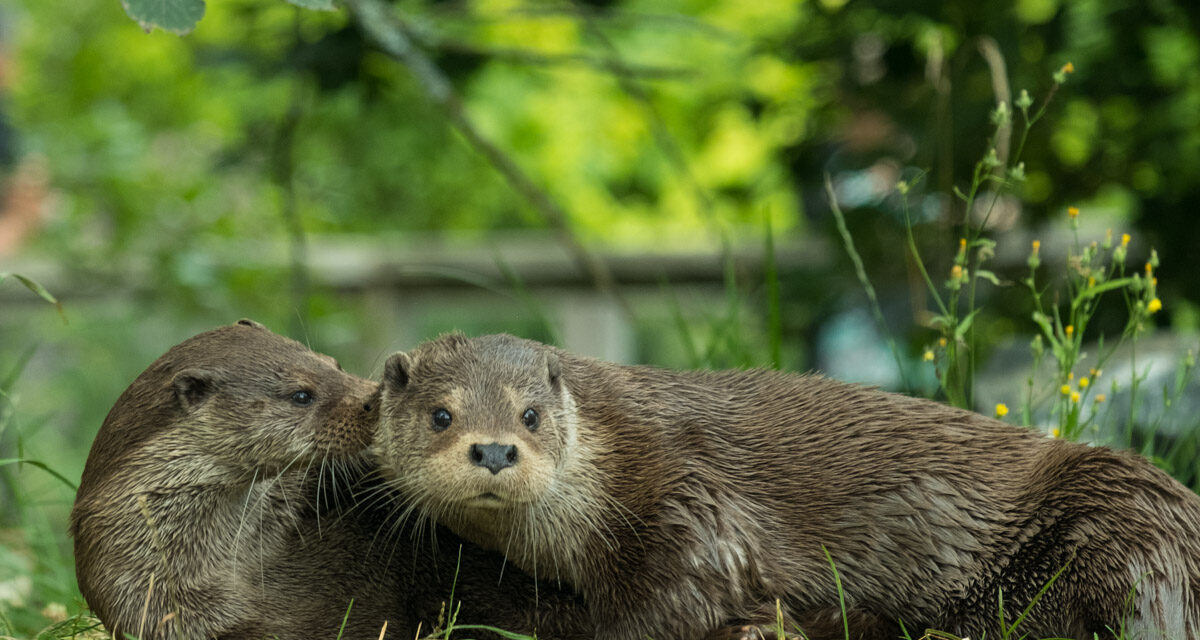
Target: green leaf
[37, 289]
[965, 325]
[176, 16]
[987, 275]
[319, 5]
[941, 321]
[1096, 290]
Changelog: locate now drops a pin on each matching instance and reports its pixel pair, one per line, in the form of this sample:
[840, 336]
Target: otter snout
[494, 456]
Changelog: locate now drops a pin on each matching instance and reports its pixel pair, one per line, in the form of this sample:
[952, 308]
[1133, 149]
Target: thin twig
[389, 33]
[515, 55]
[662, 135]
[660, 19]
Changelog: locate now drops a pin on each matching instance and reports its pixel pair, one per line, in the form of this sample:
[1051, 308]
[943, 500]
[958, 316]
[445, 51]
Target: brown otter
[677, 502]
[215, 503]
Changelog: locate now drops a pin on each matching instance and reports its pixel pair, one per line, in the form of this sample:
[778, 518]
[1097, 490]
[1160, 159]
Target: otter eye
[441, 419]
[530, 418]
[302, 398]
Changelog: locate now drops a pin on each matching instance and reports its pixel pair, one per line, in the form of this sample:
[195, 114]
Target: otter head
[235, 399]
[162, 491]
[472, 423]
[259, 399]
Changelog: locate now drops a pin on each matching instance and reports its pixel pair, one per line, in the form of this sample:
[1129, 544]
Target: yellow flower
[928, 355]
[1065, 389]
[956, 272]
[1154, 306]
[962, 244]
[1068, 68]
[1084, 382]
[1073, 212]
[1125, 239]
[1001, 410]
[1070, 330]
[1095, 373]
[1037, 244]
[1100, 397]
[1074, 396]
[1149, 268]
[1054, 433]
[941, 342]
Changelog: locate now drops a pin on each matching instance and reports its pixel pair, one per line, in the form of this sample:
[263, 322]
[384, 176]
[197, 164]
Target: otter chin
[487, 501]
[678, 502]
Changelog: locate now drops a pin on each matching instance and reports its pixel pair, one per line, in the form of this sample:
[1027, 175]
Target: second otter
[206, 510]
[677, 502]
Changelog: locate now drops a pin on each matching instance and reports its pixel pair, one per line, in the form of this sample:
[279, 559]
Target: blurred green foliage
[656, 124]
[162, 142]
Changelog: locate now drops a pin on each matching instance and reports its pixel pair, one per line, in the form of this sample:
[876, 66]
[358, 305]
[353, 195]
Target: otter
[678, 502]
[219, 501]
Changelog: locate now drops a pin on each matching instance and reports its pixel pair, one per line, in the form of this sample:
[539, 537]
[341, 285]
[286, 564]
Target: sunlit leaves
[320, 5]
[176, 16]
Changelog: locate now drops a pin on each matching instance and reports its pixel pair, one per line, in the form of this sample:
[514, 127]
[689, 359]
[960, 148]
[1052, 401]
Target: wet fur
[678, 502]
[237, 503]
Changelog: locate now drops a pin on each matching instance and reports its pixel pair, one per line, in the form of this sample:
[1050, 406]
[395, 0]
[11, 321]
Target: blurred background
[636, 180]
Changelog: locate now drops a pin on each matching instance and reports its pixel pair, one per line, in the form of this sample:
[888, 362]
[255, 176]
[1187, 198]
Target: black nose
[494, 457]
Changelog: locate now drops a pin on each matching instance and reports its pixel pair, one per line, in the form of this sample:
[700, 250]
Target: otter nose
[494, 457]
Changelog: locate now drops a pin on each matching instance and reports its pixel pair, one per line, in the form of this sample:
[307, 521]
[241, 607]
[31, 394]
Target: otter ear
[247, 322]
[193, 387]
[396, 373]
[554, 370]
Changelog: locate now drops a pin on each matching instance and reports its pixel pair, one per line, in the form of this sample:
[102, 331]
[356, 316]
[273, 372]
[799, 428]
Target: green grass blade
[42, 466]
[528, 299]
[837, 579]
[1041, 592]
[681, 325]
[345, 618]
[500, 632]
[774, 309]
[861, 272]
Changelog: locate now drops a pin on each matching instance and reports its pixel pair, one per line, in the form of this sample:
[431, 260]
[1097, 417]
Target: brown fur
[209, 480]
[678, 502]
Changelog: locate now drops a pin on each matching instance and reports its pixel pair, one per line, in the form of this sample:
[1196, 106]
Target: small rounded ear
[193, 387]
[372, 403]
[396, 373]
[247, 322]
[554, 370]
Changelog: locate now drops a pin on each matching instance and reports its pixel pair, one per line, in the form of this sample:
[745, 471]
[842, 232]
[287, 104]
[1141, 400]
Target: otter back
[678, 502]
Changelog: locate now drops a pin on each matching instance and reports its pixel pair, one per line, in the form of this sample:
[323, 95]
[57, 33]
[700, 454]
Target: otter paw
[742, 632]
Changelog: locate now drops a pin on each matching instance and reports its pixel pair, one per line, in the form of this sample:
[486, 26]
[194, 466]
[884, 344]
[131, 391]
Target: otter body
[216, 503]
[679, 502]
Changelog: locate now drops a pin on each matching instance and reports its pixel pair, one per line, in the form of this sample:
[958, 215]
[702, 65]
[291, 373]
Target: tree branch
[389, 33]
